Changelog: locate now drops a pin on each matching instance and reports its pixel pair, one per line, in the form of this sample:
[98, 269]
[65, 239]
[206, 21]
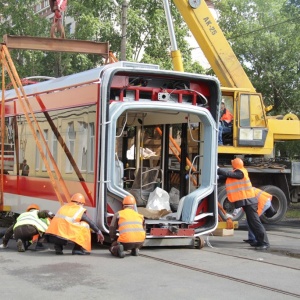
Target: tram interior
[164, 150]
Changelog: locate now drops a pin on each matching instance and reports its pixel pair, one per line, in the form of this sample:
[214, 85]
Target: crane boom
[214, 45]
[251, 134]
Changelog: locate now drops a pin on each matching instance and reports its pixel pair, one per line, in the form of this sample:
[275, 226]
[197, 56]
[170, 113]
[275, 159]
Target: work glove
[100, 237]
[51, 215]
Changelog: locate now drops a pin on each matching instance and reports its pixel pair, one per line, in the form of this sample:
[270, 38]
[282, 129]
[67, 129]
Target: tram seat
[143, 184]
[177, 215]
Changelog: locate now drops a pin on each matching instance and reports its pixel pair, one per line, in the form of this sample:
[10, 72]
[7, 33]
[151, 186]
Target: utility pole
[124, 29]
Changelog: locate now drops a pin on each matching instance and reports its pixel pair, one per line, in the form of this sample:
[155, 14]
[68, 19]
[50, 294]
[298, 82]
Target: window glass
[257, 113]
[244, 111]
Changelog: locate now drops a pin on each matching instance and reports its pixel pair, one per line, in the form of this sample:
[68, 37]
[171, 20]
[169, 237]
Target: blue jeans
[222, 129]
[251, 235]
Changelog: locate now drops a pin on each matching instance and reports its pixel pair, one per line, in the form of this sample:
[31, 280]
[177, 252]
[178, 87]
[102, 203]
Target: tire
[227, 206]
[279, 202]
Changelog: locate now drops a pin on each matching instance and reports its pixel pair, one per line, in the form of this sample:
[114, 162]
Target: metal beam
[57, 45]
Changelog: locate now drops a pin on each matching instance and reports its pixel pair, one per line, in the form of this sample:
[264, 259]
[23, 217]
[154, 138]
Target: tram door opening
[183, 159]
[160, 155]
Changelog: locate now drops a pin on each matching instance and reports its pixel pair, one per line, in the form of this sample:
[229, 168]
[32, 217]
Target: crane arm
[213, 43]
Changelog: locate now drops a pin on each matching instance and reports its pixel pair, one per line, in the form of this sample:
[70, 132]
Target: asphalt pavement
[225, 268]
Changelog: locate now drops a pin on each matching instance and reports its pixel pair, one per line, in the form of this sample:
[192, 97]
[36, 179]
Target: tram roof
[84, 77]
[58, 83]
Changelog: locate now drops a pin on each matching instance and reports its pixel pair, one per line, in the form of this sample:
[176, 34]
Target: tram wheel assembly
[199, 242]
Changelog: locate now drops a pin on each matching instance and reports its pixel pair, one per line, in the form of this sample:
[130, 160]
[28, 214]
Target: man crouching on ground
[130, 225]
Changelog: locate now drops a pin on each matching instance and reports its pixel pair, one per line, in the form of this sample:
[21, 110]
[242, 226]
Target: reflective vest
[262, 198]
[66, 224]
[131, 228]
[31, 218]
[227, 116]
[239, 189]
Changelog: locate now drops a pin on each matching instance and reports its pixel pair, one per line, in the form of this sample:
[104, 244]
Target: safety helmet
[32, 206]
[129, 200]
[79, 198]
[237, 163]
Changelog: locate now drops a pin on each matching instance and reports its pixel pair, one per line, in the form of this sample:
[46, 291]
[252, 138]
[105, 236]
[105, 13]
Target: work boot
[20, 246]
[39, 246]
[58, 249]
[78, 250]
[3, 246]
[135, 252]
[262, 248]
[121, 253]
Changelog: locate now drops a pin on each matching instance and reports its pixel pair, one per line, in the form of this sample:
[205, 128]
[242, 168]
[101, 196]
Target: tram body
[121, 129]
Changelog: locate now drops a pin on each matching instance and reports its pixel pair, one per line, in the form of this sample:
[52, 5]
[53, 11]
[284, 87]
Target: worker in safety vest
[264, 203]
[240, 192]
[130, 225]
[29, 227]
[72, 224]
[225, 123]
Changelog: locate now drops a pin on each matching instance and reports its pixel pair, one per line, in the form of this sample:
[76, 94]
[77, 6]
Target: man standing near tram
[24, 168]
[240, 192]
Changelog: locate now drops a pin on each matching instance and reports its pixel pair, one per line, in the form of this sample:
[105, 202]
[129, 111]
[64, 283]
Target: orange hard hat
[129, 200]
[79, 198]
[32, 206]
[237, 163]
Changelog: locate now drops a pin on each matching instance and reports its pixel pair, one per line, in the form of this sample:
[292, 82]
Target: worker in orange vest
[130, 225]
[72, 224]
[264, 203]
[240, 192]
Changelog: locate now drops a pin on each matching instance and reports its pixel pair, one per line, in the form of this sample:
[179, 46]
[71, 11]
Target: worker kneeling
[72, 224]
[130, 225]
[30, 224]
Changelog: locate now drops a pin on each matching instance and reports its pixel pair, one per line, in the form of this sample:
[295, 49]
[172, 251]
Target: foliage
[18, 18]
[147, 37]
[265, 37]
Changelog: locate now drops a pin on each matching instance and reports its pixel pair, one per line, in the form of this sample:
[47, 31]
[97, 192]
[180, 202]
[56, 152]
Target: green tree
[97, 20]
[265, 37]
[18, 18]
[262, 35]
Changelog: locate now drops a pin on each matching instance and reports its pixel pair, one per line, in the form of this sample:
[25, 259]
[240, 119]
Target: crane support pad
[58, 45]
[167, 232]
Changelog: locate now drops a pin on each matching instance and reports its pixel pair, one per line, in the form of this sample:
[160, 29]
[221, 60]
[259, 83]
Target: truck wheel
[228, 206]
[279, 202]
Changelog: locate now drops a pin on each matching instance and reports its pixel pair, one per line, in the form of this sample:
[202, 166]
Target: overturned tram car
[124, 128]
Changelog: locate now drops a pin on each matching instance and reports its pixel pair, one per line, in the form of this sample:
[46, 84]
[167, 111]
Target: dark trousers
[25, 233]
[255, 224]
[127, 246]
[59, 243]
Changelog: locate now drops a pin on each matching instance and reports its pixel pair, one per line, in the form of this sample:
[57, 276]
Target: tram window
[74, 128]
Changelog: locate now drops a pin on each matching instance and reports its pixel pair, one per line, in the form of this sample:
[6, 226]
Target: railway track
[231, 278]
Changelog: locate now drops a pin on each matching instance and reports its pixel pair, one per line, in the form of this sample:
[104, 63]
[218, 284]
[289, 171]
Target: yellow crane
[253, 133]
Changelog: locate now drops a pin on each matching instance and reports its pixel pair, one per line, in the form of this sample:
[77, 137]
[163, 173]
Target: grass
[293, 211]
